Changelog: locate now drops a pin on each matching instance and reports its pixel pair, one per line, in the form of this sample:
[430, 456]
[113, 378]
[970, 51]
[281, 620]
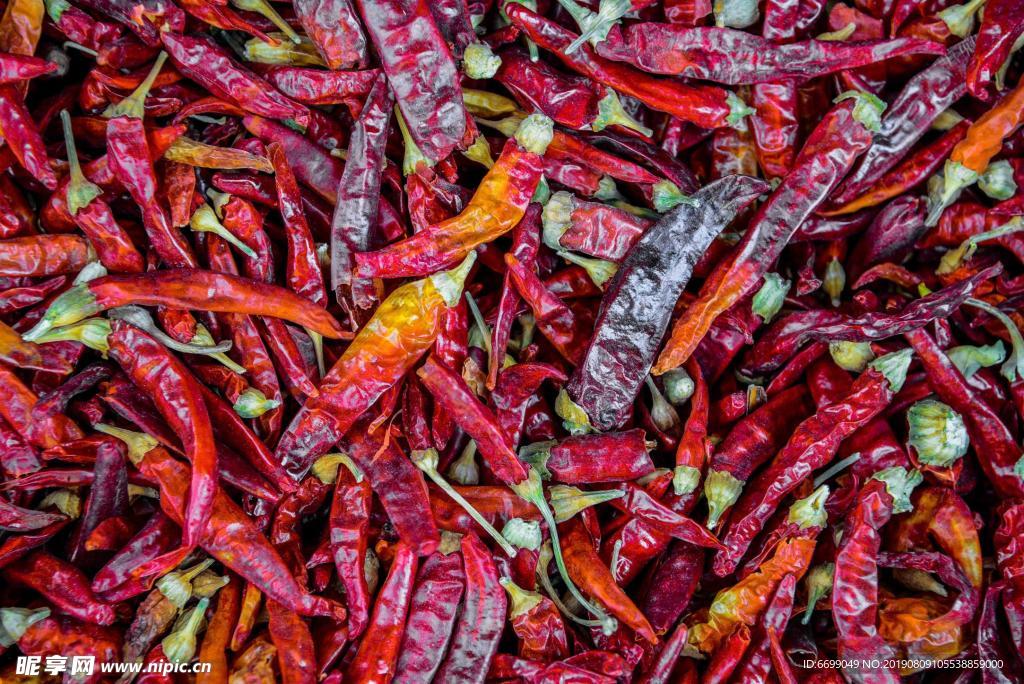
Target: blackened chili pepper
[610, 374]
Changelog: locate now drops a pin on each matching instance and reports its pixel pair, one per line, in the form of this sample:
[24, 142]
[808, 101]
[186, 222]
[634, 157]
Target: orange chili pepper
[497, 206]
[743, 602]
[595, 579]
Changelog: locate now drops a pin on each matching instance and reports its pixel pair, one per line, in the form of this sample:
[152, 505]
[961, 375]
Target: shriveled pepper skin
[421, 72]
[820, 166]
[401, 330]
[495, 208]
[641, 297]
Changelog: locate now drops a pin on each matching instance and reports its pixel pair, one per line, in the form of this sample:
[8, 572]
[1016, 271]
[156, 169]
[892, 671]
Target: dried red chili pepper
[413, 313]
[421, 71]
[812, 445]
[496, 207]
[705, 106]
[378, 651]
[352, 227]
[853, 119]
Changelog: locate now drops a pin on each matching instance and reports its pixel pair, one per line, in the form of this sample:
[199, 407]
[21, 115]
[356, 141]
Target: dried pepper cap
[937, 433]
[868, 109]
[535, 133]
[900, 484]
[479, 61]
[523, 534]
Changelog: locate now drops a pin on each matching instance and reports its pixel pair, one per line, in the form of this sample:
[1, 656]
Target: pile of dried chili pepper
[534, 341]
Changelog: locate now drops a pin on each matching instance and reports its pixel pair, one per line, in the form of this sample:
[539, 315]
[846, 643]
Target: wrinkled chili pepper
[609, 376]
[853, 121]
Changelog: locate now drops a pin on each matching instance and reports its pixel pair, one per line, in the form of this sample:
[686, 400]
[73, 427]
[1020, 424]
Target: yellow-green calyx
[70, 307]
[574, 418]
[252, 403]
[133, 106]
[810, 511]
[722, 489]
[567, 501]
[180, 645]
[851, 356]
[937, 433]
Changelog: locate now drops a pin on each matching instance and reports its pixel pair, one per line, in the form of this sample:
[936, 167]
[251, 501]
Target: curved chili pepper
[350, 517]
[16, 402]
[25, 142]
[62, 584]
[748, 446]
[214, 647]
[742, 603]
[496, 207]
[572, 101]
[672, 586]
[706, 106]
[854, 589]
[778, 343]
[231, 537]
[398, 485]
[560, 325]
[971, 156]
[587, 570]
[186, 289]
[177, 395]
[812, 445]
[987, 430]
[402, 329]
[155, 538]
[610, 374]
[44, 255]
[211, 66]
[908, 118]
[334, 29]
[730, 56]
[850, 121]
[1001, 26]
